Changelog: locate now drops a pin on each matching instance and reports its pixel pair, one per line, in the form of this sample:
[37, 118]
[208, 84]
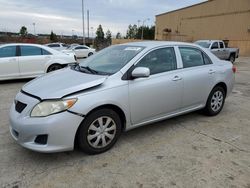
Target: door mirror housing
[140, 72]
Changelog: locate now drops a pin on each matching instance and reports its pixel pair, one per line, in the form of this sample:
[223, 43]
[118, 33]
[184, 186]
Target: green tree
[109, 37]
[131, 32]
[118, 35]
[148, 33]
[99, 33]
[53, 37]
[23, 31]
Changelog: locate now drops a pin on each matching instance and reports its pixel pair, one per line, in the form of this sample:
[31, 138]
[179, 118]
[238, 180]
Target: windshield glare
[111, 59]
[203, 44]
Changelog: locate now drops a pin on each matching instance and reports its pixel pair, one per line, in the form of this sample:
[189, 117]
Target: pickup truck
[217, 47]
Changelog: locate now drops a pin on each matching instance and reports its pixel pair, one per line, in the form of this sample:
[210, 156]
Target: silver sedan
[117, 89]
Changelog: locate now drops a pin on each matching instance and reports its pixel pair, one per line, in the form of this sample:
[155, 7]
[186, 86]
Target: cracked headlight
[50, 107]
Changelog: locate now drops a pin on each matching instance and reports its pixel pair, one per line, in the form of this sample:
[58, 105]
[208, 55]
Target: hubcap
[101, 132]
[217, 101]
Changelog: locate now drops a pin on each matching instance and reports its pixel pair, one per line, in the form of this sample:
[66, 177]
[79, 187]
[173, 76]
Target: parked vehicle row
[30, 60]
[58, 46]
[80, 51]
[217, 47]
[117, 89]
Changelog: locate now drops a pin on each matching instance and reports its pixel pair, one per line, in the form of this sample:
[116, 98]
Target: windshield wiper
[89, 69]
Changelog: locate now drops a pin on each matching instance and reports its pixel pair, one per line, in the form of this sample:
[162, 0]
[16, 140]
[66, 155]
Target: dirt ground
[187, 151]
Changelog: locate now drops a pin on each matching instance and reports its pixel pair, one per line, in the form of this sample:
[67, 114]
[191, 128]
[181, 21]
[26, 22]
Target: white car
[58, 46]
[30, 60]
[80, 51]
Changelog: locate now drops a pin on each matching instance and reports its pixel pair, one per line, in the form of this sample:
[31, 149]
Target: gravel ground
[187, 151]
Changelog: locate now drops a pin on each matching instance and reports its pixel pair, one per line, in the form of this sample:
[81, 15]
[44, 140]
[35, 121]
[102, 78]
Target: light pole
[92, 33]
[138, 23]
[83, 32]
[34, 25]
[143, 26]
[73, 33]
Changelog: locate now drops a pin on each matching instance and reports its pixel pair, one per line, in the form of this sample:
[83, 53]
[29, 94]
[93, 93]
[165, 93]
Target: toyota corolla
[117, 89]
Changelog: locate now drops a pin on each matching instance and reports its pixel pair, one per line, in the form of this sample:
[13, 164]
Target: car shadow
[130, 136]
[15, 81]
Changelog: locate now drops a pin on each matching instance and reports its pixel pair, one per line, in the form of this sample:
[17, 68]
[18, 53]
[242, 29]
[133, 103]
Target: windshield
[111, 59]
[203, 44]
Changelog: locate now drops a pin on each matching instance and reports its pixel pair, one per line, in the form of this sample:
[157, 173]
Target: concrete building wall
[214, 19]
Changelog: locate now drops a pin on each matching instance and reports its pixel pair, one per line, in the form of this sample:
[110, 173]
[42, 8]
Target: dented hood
[62, 82]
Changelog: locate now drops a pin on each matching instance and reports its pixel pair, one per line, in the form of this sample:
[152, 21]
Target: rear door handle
[211, 71]
[176, 78]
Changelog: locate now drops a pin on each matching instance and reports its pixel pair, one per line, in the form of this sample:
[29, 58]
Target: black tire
[210, 105]
[90, 54]
[232, 58]
[84, 131]
[54, 67]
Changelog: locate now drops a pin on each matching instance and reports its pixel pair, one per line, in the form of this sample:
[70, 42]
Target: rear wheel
[90, 54]
[99, 131]
[215, 101]
[54, 67]
[232, 58]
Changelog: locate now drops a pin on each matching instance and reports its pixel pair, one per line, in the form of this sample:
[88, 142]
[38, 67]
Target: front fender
[114, 96]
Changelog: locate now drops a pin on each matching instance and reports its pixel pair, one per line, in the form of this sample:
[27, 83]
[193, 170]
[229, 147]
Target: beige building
[227, 20]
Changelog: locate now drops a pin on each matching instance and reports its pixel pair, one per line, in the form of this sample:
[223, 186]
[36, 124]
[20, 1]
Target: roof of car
[209, 41]
[15, 44]
[152, 44]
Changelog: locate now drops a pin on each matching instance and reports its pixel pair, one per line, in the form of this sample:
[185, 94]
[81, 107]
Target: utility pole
[88, 22]
[83, 32]
[92, 33]
[34, 25]
[138, 23]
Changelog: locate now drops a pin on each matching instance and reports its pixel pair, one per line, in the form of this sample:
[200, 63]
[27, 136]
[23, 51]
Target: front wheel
[99, 131]
[215, 101]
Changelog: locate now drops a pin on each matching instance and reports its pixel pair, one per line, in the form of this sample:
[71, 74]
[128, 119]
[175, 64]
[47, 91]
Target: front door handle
[176, 78]
[211, 71]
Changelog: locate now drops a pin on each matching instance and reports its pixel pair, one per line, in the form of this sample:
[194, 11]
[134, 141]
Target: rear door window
[81, 48]
[30, 51]
[191, 57]
[54, 45]
[221, 45]
[45, 52]
[215, 45]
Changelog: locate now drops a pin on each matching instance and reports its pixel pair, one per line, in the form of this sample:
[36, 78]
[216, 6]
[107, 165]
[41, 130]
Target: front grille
[20, 106]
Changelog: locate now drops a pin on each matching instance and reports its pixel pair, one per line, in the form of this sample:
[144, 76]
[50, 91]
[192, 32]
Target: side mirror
[140, 72]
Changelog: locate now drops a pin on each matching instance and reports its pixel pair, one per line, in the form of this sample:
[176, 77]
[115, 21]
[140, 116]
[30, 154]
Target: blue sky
[63, 16]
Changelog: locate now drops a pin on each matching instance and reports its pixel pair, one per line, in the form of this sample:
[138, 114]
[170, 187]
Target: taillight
[234, 69]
